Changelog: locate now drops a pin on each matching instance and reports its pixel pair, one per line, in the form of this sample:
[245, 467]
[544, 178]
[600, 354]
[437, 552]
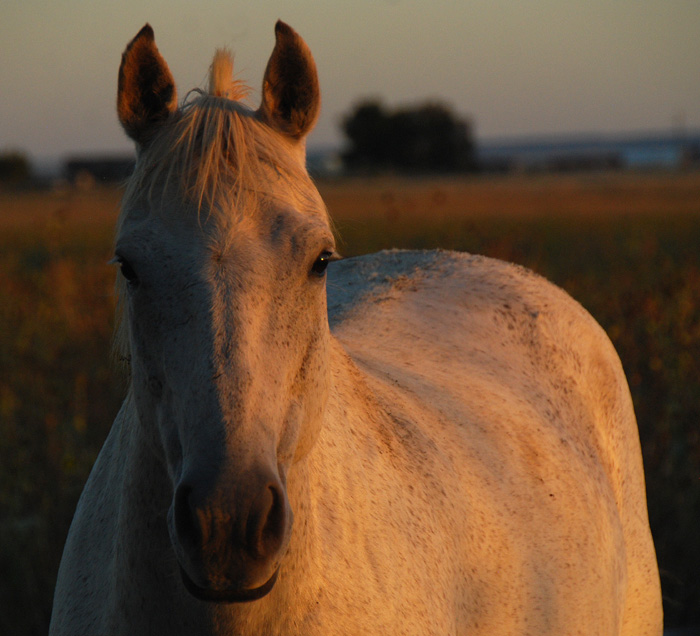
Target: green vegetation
[633, 261]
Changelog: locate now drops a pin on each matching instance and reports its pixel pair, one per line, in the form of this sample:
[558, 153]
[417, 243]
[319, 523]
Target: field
[627, 246]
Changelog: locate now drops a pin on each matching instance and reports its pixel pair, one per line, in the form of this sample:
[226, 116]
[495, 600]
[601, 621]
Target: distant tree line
[14, 167]
[428, 138]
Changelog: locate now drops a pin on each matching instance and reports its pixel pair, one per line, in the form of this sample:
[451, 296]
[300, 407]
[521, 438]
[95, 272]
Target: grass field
[627, 246]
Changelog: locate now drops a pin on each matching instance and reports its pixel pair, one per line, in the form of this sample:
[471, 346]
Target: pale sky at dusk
[514, 67]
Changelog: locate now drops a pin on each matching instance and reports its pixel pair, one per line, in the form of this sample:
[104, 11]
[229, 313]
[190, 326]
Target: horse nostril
[186, 521]
[267, 523]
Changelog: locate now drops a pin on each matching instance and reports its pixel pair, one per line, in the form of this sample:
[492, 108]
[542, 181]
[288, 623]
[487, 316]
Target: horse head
[222, 243]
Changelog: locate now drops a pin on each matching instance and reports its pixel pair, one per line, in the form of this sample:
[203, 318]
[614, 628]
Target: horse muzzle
[229, 541]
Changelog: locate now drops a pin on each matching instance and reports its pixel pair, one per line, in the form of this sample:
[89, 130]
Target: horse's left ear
[146, 94]
[291, 98]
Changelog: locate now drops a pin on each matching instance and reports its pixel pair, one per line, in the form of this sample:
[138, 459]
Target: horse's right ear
[146, 94]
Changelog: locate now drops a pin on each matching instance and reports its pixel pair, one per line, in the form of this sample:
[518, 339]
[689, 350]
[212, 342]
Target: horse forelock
[221, 79]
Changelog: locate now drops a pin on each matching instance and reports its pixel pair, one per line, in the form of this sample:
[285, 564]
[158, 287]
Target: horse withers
[443, 445]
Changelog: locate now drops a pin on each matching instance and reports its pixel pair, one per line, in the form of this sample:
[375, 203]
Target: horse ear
[291, 98]
[146, 94]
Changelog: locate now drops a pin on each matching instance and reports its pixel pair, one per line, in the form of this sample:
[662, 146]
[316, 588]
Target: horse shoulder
[518, 387]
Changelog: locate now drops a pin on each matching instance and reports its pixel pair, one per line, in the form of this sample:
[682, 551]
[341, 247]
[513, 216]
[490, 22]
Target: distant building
[590, 153]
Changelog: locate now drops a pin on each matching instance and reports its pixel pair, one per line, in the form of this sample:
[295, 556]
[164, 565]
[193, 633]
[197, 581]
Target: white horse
[454, 452]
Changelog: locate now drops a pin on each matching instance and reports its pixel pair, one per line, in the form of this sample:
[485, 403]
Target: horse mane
[213, 155]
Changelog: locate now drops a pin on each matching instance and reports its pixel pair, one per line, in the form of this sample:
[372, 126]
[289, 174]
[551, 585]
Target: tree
[429, 138]
[14, 167]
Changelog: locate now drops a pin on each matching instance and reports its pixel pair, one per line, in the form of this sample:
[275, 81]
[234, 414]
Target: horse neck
[140, 547]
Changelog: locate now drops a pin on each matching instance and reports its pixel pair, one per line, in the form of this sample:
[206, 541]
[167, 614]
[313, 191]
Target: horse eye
[321, 263]
[127, 271]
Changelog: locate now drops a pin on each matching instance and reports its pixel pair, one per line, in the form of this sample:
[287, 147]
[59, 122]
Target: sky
[514, 68]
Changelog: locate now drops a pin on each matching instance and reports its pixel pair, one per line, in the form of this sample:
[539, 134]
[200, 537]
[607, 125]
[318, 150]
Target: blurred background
[562, 136]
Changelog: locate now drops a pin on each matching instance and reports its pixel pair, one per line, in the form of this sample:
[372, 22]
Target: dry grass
[519, 196]
[66, 209]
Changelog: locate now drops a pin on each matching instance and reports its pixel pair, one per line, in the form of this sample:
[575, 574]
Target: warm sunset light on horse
[401, 443]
